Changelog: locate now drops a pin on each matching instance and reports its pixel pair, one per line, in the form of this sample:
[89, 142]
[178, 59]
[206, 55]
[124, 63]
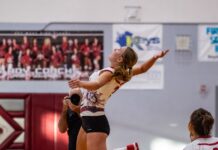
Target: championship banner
[52, 55]
[146, 40]
[153, 79]
[208, 43]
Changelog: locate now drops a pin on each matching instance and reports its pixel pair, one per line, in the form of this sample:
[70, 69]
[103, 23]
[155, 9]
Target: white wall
[161, 11]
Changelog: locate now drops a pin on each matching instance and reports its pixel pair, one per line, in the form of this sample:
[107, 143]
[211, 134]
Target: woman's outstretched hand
[161, 54]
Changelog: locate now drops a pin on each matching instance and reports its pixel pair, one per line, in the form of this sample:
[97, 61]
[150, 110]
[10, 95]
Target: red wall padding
[42, 115]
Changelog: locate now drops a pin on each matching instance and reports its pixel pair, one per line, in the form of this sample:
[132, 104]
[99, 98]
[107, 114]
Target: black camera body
[75, 99]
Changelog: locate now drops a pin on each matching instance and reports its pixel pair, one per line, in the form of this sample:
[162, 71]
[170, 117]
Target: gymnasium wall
[144, 115]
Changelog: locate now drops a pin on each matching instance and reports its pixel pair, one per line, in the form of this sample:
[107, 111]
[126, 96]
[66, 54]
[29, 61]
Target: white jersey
[203, 143]
[93, 102]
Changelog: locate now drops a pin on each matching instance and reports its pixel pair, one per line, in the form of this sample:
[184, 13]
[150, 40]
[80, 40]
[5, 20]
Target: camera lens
[75, 99]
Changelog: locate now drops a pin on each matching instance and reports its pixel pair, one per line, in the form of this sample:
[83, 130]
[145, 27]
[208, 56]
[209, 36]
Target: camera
[75, 96]
[75, 99]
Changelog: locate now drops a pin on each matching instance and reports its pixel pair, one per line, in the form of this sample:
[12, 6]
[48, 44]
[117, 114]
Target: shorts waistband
[91, 108]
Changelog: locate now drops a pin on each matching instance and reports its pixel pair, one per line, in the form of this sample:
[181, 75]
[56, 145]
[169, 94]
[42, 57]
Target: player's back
[203, 143]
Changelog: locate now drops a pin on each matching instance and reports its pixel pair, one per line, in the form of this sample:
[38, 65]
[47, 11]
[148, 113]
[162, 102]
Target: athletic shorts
[95, 124]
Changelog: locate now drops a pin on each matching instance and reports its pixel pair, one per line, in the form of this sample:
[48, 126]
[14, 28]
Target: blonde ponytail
[124, 70]
[123, 74]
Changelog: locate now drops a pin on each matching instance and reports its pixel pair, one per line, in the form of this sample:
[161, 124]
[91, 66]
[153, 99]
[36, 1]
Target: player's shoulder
[108, 70]
[191, 146]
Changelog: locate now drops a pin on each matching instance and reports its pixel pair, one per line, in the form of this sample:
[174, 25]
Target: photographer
[70, 120]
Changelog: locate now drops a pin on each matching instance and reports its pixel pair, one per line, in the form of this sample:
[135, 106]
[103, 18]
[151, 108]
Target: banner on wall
[208, 43]
[53, 55]
[153, 79]
[146, 40]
